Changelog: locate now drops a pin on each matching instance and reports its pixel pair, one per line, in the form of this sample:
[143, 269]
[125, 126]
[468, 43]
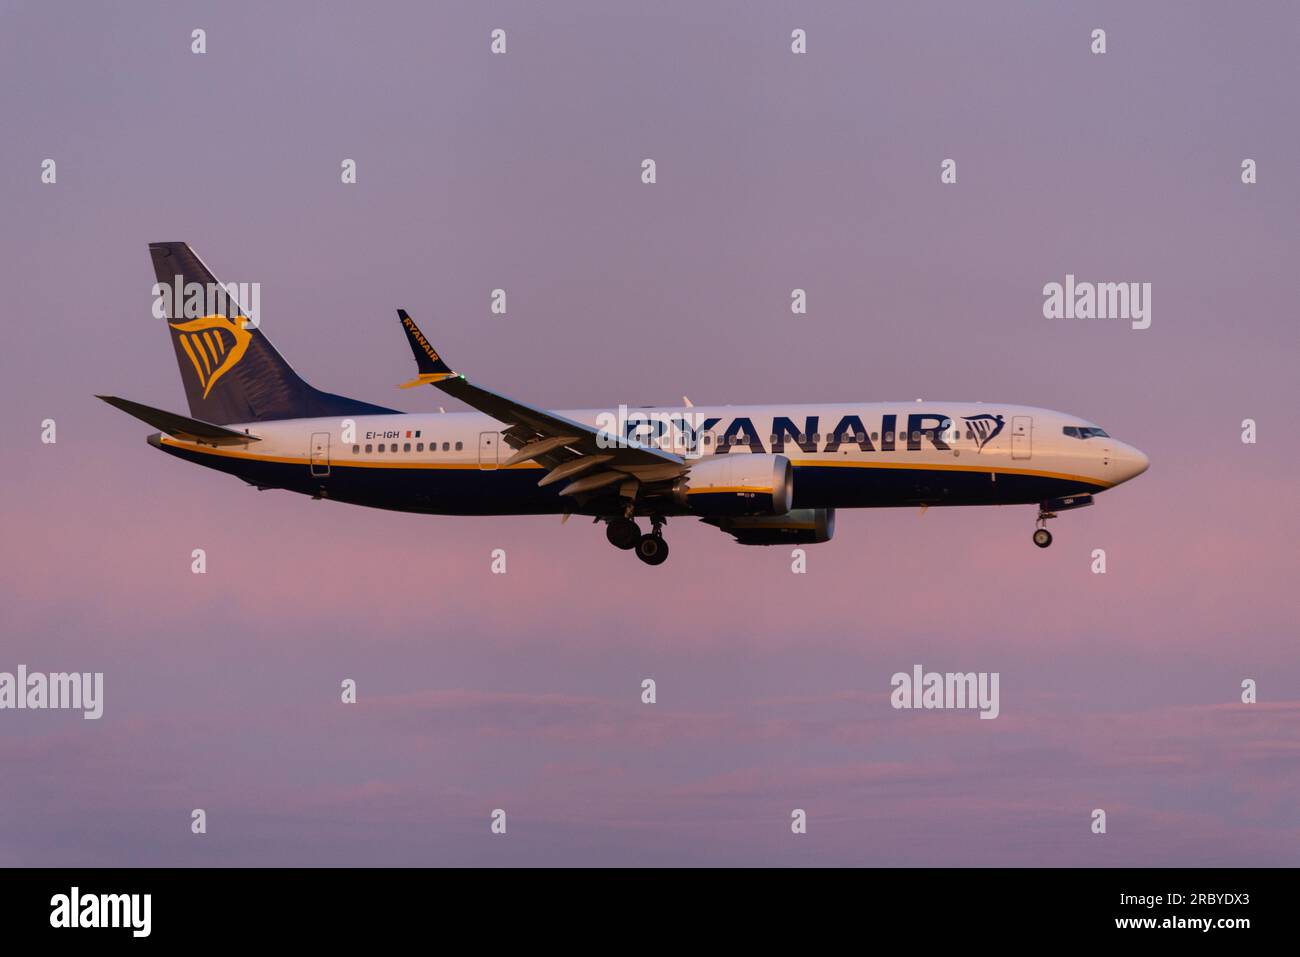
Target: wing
[586, 459]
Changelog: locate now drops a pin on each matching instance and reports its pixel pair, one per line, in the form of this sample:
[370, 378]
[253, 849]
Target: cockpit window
[1085, 432]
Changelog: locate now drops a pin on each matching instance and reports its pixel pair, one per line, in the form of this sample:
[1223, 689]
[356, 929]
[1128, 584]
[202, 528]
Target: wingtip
[429, 378]
[427, 360]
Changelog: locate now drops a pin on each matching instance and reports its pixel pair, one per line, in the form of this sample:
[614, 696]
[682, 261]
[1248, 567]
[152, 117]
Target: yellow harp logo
[204, 341]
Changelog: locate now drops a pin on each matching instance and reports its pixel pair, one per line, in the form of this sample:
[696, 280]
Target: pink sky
[522, 691]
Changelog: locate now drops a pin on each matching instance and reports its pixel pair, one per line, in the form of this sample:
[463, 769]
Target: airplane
[766, 475]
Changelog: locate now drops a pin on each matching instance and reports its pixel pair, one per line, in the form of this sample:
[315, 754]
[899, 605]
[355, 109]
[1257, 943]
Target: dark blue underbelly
[459, 491]
[839, 487]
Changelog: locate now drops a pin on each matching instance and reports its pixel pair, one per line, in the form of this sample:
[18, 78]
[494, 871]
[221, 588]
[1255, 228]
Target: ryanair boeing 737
[766, 475]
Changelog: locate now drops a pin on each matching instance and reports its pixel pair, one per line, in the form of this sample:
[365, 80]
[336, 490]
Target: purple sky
[775, 171]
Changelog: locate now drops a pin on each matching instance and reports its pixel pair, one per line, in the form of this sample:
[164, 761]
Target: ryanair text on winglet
[415, 332]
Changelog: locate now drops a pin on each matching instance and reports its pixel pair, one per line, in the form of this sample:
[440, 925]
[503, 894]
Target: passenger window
[406, 447]
[459, 446]
[419, 446]
[370, 448]
[381, 446]
[446, 446]
[356, 449]
[875, 436]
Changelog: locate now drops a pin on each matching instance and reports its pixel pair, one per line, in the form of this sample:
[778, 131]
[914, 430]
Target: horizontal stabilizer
[179, 426]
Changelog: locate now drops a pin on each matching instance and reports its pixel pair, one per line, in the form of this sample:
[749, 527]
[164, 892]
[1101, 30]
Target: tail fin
[231, 372]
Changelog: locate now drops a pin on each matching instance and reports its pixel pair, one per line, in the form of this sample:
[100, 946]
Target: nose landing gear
[1042, 537]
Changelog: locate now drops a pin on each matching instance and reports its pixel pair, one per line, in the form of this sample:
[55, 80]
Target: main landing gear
[651, 548]
[623, 533]
[1042, 537]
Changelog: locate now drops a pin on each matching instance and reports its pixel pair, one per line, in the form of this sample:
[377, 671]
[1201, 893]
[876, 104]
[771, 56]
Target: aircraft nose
[1130, 462]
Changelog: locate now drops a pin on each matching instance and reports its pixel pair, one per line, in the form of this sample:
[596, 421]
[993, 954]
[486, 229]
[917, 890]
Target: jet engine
[737, 484]
[803, 526]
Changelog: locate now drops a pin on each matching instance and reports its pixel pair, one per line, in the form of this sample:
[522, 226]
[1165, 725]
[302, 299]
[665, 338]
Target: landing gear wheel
[1042, 537]
[652, 549]
[623, 533]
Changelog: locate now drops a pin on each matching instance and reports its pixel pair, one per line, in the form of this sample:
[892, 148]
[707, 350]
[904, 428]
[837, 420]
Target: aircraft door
[488, 443]
[705, 443]
[320, 454]
[1022, 436]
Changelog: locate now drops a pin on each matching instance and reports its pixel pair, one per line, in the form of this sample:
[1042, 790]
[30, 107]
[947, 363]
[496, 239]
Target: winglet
[427, 361]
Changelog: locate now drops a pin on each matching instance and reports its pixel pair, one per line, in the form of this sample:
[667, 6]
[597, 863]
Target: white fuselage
[848, 455]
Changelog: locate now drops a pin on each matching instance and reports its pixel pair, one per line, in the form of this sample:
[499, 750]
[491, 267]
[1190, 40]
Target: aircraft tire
[652, 549]
[623, 533]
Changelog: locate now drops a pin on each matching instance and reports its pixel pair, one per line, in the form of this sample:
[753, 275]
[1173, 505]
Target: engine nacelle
[737, 484]
[803, 526]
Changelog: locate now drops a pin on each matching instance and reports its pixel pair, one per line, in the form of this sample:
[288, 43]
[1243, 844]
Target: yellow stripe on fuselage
[800, 463]
[300, 460]
[726, 489]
